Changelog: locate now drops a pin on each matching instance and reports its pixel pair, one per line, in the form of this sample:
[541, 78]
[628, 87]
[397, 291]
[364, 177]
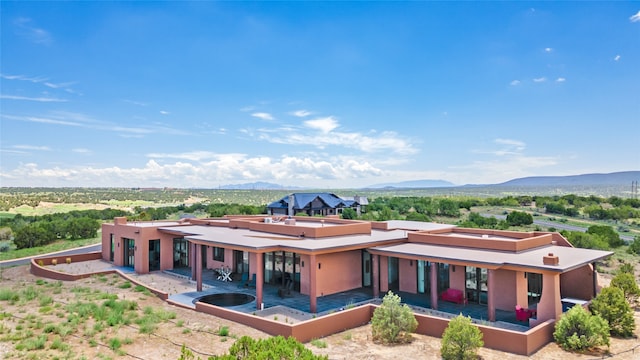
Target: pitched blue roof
[301, 200]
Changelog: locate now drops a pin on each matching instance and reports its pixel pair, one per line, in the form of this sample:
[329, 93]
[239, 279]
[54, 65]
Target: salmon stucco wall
[408, 275]
[577, 283]
[506, 289]
[304, 274]
[338, 272]
[456, 277]
[384, 274]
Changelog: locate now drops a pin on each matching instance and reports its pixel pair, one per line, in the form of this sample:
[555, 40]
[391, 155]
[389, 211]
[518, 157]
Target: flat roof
[257, 240]
[570, 258]
[416, 225]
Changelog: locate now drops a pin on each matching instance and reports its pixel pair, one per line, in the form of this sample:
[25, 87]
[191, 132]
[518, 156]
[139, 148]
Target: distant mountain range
[413, 184]
[260, 185]
[616, 178]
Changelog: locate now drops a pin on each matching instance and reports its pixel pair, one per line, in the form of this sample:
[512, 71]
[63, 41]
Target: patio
[420, 303]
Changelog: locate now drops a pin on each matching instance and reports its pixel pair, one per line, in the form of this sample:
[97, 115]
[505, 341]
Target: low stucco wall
[303, 331]
[521, 343]
[515, 342]
[45, 270]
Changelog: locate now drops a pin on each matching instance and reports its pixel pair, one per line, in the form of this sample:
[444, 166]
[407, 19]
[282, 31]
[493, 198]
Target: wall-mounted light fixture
[453, 268]
[410, 262]
[135, 248]
[302, 263]
[319, 266]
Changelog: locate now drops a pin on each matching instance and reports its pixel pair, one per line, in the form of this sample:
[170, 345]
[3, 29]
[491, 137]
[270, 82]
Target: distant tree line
[31, 231]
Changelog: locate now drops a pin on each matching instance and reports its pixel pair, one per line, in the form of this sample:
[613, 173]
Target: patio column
[375, 260]
[522, 296]
[595, 279]
[434, 285]
[550, 306]
[198, 266]
[313, 288]
[192, 253]
[259, 279]
[491, 304]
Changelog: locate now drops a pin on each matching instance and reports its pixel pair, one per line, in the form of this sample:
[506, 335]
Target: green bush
[393, 322]
[579, 330]
[627, 283]
[276, 347]
[634, 246]
[461, 339]
[611, 305]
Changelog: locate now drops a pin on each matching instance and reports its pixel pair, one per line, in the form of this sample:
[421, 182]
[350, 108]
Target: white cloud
[34, 34]
[323, 124]
[31, 147]
[37, 79]
[163, 112]
[38, 99]
[81, 151]
[301, 113]
[84, 121]
[388, 141]
[540, 79]
[635, 18]
[548, 49]
[133, 102]
[263, 116]
[617, 58]
[211, 171]
[515, 83]
[510, 146]
[561, 79]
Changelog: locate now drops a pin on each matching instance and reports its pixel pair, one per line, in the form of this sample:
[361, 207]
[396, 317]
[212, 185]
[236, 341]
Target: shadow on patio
[421, 303]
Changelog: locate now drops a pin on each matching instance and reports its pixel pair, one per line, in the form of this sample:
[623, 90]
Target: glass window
[218, 254]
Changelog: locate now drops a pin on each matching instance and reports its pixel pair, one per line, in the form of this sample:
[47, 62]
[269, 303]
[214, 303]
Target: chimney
[550, 259]
[291, 200]
[120, 220]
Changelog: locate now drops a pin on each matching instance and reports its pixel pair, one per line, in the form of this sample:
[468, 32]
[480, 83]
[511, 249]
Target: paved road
[559, 226]
[24, 261]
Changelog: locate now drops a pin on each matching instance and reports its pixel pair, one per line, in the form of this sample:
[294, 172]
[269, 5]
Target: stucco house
[497, 269]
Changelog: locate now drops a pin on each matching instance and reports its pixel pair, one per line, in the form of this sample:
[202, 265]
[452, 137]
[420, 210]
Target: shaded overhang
[530, 260]
[256, 241]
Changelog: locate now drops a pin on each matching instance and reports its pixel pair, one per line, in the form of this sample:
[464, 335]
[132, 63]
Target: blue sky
[315, 94]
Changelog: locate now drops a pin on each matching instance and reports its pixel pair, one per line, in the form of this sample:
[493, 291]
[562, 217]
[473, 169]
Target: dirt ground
[199, 332]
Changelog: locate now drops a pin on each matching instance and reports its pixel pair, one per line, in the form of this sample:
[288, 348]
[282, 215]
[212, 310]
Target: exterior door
[393, 271]
[112, 247]
[129, 252]
[180, 253]
[367, 273]
[154, 255]
[476, 284]
[423, 276]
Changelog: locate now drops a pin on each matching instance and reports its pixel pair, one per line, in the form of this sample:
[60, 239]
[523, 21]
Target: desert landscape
[24, 320]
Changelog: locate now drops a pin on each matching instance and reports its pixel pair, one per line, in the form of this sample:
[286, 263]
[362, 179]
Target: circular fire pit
[226, 299]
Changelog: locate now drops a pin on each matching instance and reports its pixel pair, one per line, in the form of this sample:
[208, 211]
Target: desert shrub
[607, 232]
[634, 246]
[626, 268]
[518, 218]
[276, 347]
[627, 283]
[579, 330]
[461, 339]
[611, 305]
[393, 322]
